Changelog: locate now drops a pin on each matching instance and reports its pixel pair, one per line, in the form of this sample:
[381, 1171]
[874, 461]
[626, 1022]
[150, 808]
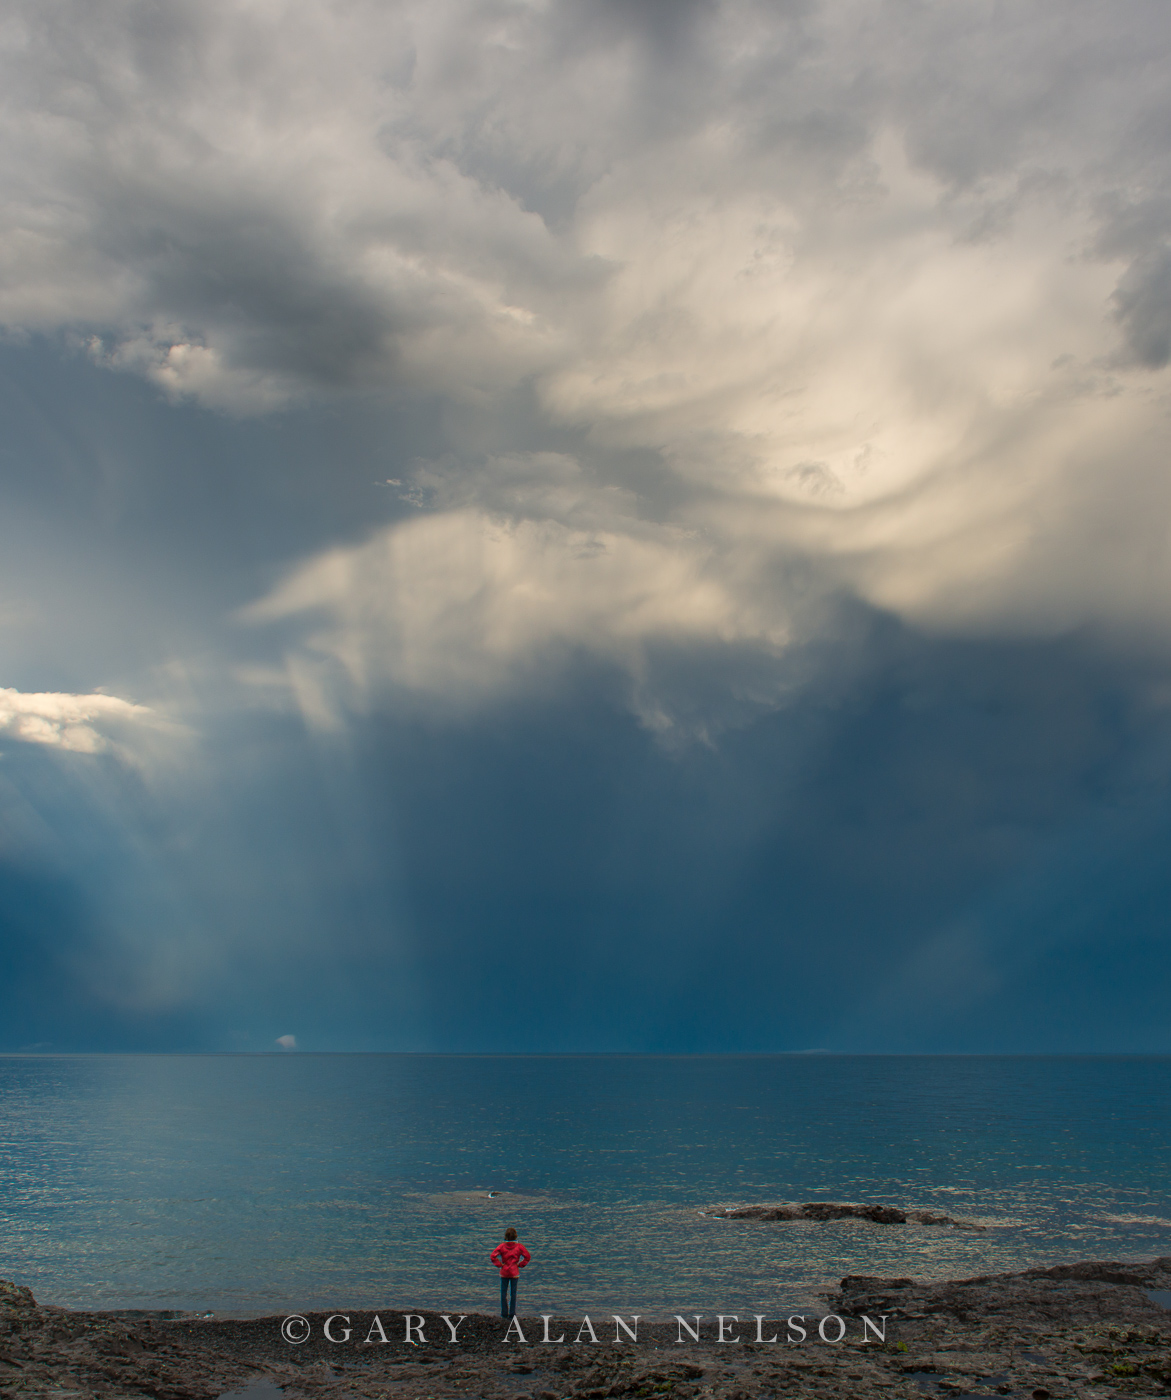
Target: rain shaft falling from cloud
[516, 428]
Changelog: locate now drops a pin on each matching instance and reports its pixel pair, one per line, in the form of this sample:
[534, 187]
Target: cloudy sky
[585, 525]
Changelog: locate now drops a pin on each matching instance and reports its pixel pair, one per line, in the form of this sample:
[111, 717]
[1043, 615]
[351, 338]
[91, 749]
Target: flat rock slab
[1083, 1294]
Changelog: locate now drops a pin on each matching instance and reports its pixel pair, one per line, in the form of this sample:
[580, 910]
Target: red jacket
[510, 1257]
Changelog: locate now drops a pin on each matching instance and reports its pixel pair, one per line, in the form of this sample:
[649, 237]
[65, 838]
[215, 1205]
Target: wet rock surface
[1067, 1294]
[837, 1210]
[1081, 1330]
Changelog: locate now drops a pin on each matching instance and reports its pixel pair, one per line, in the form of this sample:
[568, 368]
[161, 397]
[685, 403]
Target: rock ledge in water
[1068, 1295]
[835, 1210]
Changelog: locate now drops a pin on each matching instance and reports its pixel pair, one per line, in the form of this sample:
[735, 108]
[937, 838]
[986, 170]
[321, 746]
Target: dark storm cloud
[653, 512]
[1143, 302]
[932, 847]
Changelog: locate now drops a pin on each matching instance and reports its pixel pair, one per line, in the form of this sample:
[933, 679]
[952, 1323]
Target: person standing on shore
[510, 1257]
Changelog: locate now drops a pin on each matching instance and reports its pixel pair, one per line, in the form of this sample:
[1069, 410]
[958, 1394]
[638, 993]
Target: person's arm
[495, 1253]
[527, 1256]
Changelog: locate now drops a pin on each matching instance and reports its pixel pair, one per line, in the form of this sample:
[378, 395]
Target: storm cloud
[672, 492]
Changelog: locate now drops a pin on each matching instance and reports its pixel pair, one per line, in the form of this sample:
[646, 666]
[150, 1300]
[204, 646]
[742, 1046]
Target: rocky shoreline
[1087, 1330]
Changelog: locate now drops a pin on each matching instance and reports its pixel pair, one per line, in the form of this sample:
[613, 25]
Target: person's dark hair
[510, 1233]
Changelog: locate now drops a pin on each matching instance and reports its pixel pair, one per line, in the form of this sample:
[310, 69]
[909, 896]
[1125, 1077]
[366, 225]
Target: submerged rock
[836, 1210]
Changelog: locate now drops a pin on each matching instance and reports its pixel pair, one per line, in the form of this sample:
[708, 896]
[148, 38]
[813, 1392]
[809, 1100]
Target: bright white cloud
[74, 722]
[885, 289]
[463, 604]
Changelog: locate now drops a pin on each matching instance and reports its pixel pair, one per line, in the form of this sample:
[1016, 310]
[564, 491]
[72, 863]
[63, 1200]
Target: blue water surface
[266, 1184]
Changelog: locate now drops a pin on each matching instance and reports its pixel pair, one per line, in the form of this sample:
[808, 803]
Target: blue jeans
[507, 1302]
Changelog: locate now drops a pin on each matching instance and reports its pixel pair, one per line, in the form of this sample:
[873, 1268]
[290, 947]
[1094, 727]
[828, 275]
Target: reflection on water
[250, 1184]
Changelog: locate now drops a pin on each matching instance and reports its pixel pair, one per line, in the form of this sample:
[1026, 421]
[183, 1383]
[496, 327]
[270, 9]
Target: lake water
[266, 1184]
